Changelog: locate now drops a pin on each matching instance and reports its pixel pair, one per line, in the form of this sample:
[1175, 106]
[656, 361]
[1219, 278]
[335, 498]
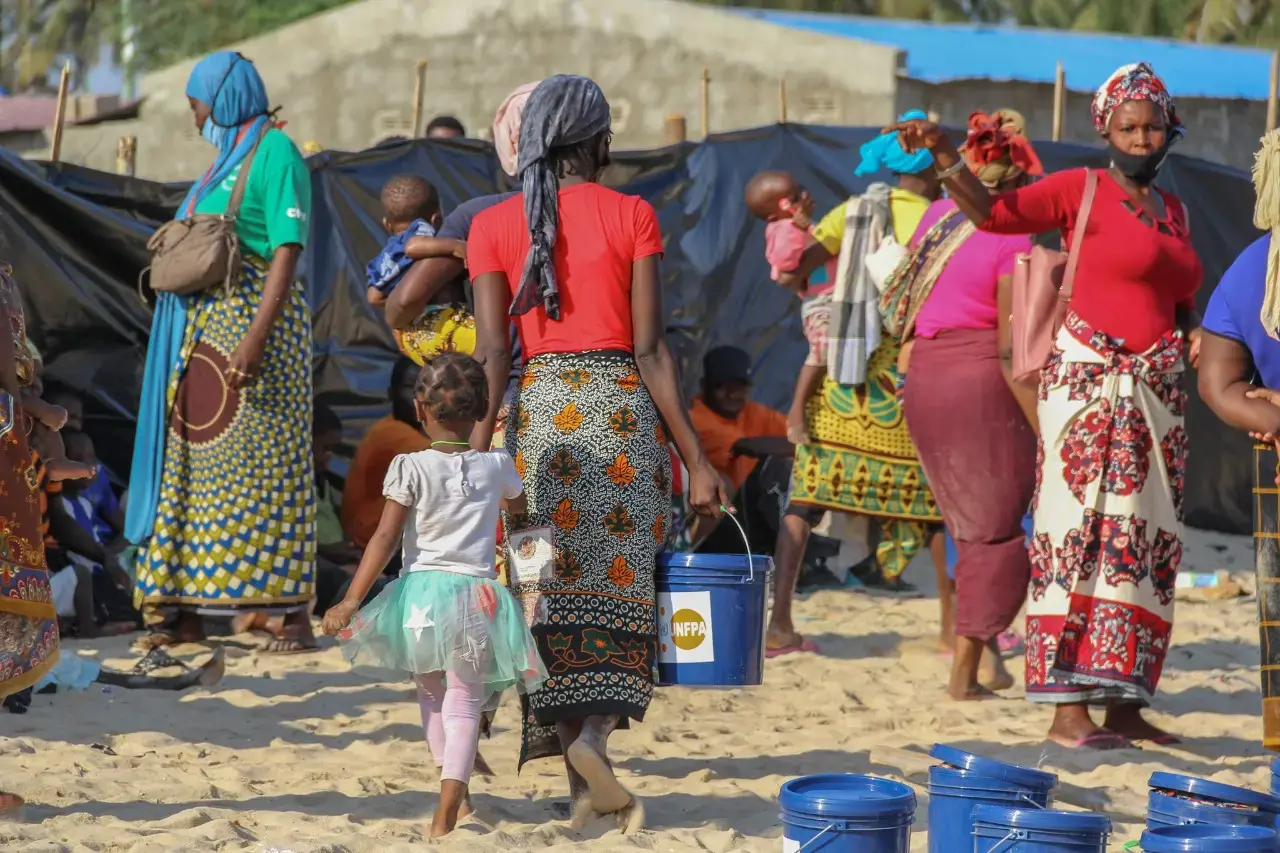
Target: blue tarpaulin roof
[938, 53]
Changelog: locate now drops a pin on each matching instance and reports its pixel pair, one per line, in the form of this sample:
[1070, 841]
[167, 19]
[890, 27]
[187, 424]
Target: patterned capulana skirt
[235, 522]
[1108, 518]
[588, 441]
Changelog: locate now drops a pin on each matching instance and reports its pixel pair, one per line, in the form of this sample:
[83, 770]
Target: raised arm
[1046, 205]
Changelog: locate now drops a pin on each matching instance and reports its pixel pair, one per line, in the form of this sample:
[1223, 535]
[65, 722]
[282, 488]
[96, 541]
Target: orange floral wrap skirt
[592, 451]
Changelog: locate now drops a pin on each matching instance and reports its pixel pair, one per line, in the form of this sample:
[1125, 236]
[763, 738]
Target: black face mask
[1140, 168]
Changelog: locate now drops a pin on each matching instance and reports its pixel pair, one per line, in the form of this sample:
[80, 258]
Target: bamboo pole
[419, 84]
[676, 129]
[1273, 93]
[1059, 101]
[126, 156]
[60, 116]
[782, 101]
[706, 103]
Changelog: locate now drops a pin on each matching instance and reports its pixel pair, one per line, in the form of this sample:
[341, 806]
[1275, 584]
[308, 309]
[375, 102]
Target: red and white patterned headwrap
[1135, 82]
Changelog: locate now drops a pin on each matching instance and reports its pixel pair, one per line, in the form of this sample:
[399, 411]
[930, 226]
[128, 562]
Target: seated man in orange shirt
[397, 433]
[746, 442]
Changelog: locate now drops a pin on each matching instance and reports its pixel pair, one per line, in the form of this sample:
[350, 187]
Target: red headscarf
[996, 154]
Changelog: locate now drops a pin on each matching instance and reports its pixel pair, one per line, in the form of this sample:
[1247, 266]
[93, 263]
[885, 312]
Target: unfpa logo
[688, 629]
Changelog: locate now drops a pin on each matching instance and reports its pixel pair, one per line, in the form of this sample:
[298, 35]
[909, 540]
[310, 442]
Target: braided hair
[453, 387]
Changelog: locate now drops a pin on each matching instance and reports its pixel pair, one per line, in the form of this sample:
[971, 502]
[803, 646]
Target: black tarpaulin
[76, 239]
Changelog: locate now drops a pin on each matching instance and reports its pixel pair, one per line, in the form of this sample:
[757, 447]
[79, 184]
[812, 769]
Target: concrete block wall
[345, 78]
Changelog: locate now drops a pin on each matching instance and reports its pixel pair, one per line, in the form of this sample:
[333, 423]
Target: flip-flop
[1103, 741]
[1011, 644]
[1165, 739]
[805, 646]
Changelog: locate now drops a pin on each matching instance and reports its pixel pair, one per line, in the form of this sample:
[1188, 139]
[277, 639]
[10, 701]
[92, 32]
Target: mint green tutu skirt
[436, 621]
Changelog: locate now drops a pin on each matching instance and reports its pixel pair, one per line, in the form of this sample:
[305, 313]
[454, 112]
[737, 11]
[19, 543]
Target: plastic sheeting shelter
[76, 239]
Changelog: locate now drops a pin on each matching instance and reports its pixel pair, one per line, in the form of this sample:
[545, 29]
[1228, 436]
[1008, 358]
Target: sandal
[155, 659]
[291, 646]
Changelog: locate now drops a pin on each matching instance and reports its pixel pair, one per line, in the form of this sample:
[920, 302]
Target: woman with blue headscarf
[855, 454]
[221, 500]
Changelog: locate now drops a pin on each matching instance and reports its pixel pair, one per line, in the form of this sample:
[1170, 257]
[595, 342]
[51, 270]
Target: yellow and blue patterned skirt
[441, 328]
[235, 521]
[861, 460]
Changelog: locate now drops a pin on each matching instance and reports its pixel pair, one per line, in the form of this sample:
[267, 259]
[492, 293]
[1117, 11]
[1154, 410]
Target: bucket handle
[751, 563]
[1014, 835]
[824, 831]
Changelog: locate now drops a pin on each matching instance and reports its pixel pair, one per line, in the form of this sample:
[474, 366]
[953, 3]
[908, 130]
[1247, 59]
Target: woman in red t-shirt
[577, 266]
[1112, 449]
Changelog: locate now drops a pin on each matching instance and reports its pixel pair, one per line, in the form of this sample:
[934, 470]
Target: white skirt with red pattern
[1108, 518]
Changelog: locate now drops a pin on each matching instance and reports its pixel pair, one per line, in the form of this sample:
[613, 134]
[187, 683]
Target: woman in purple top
[973, 426]
[1241, 352]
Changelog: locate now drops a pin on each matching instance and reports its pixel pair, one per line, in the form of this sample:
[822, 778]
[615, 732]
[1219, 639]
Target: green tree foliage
[37, 36]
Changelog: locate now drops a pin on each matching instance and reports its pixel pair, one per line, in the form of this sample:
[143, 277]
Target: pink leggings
[451, 719]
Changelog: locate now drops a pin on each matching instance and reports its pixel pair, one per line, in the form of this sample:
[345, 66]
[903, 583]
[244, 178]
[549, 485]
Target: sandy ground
[299, 755]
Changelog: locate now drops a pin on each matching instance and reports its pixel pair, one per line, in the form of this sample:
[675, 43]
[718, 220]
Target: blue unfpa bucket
[999, 829]
[1208, 838]
[964, 780]
[1175, 800]
[846, 813]
[711, 619]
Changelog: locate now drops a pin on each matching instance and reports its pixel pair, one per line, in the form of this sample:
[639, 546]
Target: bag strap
[1077, 238]
[242, 179]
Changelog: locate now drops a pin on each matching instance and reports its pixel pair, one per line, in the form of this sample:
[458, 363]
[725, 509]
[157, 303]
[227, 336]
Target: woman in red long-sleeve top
[1112, 448]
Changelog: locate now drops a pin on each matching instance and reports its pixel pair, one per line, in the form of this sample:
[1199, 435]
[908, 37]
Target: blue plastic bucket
[964, 780]
[1275, 777]
[998, 829]
[846, 813]
[711, 619]
[1208, 838]
[1175, 800]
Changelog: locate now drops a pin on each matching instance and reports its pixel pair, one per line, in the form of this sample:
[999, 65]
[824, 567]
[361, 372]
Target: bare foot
[1074, 728]
[1127, 721]
[606, 794]
[213, 669]
[778, 639]
[631, 818]
[65, 469]
[581, 814]
[453, 794]
[970, 693]
[992, 673]
[255, 621]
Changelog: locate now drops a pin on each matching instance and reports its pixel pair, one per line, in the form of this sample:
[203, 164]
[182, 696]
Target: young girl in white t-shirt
[446, 620]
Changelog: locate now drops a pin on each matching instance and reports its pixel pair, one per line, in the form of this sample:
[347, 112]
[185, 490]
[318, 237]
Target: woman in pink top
[972, 424]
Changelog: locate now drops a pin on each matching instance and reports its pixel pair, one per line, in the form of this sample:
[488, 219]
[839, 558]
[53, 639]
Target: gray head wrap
[563, 110]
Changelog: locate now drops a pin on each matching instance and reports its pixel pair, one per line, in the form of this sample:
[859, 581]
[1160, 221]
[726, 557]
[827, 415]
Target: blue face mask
[213, 133]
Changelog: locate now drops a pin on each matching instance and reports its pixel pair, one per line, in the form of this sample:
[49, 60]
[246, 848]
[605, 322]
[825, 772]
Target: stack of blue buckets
[985, 806]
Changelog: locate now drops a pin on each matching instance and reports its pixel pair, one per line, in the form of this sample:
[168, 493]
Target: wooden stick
[782, 100]
[706, 103]
[419, 84]
[676, 129]
[1059, 101]
[60, 116]
[1274, 92]
[126, 155]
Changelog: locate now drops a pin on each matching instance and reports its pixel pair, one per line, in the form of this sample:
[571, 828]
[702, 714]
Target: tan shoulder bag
[200, 252]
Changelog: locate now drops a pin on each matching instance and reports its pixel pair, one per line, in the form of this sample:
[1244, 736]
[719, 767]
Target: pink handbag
[1042, 285]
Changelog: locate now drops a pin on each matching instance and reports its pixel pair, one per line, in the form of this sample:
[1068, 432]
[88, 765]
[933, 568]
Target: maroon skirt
[979, 455]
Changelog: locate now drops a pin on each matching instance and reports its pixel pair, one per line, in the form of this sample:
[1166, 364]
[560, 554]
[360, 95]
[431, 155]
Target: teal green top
[277, 201]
